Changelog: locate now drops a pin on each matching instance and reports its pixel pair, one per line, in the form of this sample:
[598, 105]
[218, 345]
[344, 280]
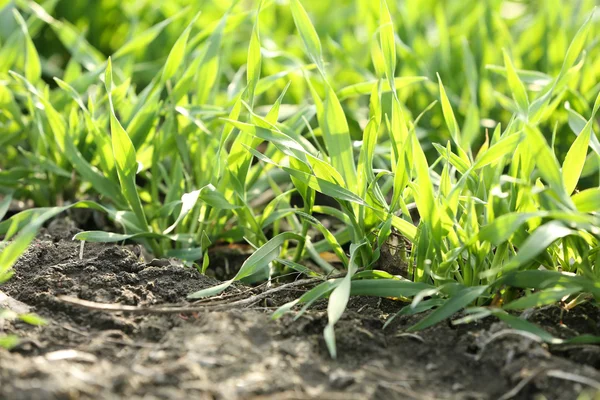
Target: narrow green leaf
[9, 341]
[449, 114]
[177, 53]
[504, 147]
[587, 200]
[125, 157]
[33, 319]
[460, 300]
[407, 229]
[258, 260]
[13, 250]
[547, 164]
[387, 288]
[5, 204]
[545, 279]
[188, 201]
[143, 39]
[325, 187]
[535, 244]
[359, 89]
[516, 86]
[254, 60]
[215, 199]
[110, 237]
[33, 68]
[388, 42]
[339, 299]
[526, 76]
[308, 298]
[575, 158]
[524, 325]
[425, 199]
[308, 34]
[502, 228]
[541, 298]
[423, 306]
[337, 138]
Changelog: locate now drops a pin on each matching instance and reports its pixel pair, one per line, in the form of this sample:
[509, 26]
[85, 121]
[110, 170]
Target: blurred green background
[460, 40]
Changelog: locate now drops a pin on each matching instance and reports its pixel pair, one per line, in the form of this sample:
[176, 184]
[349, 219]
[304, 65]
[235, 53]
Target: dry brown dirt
[242, 353]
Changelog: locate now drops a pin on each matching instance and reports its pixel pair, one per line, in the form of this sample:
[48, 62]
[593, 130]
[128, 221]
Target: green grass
[190, 125]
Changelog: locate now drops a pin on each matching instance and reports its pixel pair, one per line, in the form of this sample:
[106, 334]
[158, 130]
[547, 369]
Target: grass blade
[308, 34]
[33, 68]
[587, 200]
[339, 299]
[516, 86]
[258, 260]
[177, 53]
[460, 300]
[125, 157]
[254, 60]
[541, 298]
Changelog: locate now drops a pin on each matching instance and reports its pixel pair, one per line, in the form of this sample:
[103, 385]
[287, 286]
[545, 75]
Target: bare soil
[244, 354]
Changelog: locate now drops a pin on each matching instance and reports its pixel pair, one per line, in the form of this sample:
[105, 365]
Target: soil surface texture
[242, 353]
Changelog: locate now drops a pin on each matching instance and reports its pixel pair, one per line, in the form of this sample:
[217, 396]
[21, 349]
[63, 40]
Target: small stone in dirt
[13, 305]
[62, 229]
[431, 367]
[73, 355]
[340, 379]
[159, 262]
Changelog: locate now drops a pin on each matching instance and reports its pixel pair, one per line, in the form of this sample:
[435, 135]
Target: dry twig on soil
[214, 306]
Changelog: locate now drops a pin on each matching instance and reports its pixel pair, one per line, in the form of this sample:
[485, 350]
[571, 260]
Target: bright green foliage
[188, 127]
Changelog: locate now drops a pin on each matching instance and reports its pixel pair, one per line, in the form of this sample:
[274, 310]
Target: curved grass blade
[542, 298]
[535, 244]
[388, 43]
[325, 187]
[308, 34]
[110, 237]
[387, 288]
[460, 300]
[523, 325]
[423, 306]
[254, 60]
[575, 158]
[258, 260]
[339, 299]
[501, 229]
[125, 157]
[314, 294]
[337, 138]
[143, 39]
[587, 200]
[13, 250]
[33, 68]
[516, 86]
[407, 229]
[449, 114]
[363, 88]
[5, 204]
[177, 53]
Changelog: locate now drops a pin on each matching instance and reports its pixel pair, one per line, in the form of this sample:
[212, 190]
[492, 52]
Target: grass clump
[204, 126]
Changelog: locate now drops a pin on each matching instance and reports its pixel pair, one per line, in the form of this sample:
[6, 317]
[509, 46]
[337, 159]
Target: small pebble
[340, 379]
